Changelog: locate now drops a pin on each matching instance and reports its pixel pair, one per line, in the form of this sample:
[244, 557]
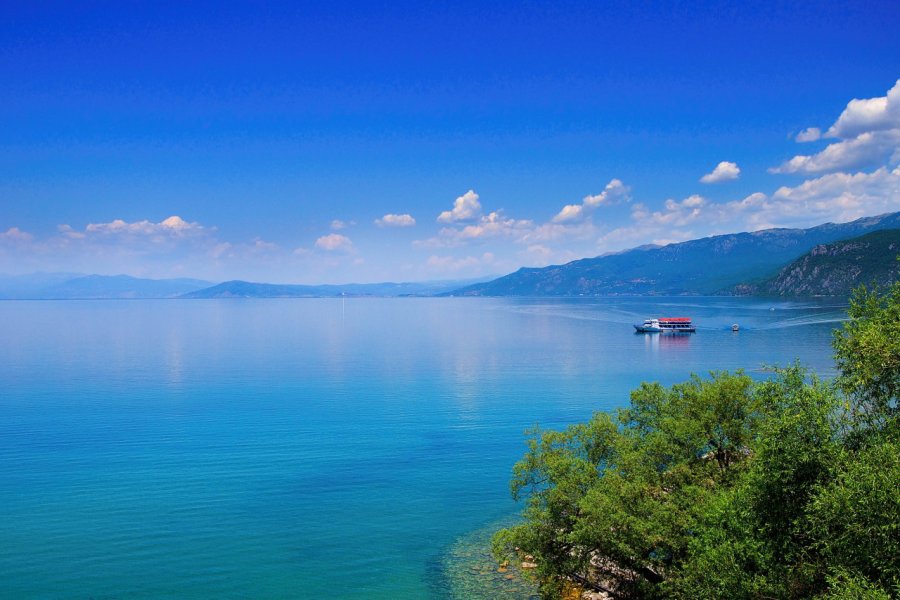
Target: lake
[315, 448]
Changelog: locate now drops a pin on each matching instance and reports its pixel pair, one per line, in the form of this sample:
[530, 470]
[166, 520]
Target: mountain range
[760, 262]
[246, 289]
[707, 266]
[75, 286]
[71, 286]
[835, 269]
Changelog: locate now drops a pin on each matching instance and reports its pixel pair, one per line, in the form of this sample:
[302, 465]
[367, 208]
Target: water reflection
[666, 341]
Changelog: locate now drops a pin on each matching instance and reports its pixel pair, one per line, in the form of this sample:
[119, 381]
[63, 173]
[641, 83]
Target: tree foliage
[867, 353]
[725, 487]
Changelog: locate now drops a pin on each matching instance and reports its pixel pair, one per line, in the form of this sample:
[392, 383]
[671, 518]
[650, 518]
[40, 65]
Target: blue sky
[336, 142]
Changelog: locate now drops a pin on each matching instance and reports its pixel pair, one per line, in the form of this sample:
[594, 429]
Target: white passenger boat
[666, 325]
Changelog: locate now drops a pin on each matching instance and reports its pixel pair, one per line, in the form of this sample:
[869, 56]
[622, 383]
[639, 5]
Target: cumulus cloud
[868, 131]
[871, 114]
[334, 242]
[810, 134]
[498, 227]
[724, 171]
[392, 220]
[171, 247]
[833, 197]
[172, 226]
[137, 237]
[337, 225]
[614, 192]
[837, 197]
[569, 212]
[674, 213]
[491, 226]
[674, 222]
[465, 208]
[863, 150]
[14, 234]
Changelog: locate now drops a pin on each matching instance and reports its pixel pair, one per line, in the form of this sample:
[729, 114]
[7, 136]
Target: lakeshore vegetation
[726, 487]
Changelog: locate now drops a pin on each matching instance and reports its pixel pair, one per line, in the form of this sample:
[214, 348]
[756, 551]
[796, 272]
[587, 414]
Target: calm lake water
[305, 449]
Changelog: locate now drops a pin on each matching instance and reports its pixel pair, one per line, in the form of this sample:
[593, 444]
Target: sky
[338, 142]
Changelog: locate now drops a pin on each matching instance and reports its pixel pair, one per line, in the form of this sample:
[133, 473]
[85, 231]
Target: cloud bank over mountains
[854, 172]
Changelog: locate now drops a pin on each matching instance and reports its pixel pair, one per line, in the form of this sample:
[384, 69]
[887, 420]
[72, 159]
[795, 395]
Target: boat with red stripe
[666, 325]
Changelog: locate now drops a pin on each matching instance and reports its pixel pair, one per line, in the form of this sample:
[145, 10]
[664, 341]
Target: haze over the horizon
[317, 143]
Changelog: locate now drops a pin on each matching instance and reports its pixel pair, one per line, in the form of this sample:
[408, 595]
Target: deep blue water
[305, 449]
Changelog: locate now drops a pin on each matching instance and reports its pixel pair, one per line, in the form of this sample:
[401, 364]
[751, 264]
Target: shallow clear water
[305, 448]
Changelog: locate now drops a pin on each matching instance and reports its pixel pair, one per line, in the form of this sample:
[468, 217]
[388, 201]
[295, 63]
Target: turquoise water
[309, 449]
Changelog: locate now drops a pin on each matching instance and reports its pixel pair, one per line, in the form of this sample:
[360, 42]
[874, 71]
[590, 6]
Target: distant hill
[713, 265]
[63, 287]
[835, 269]
[246, 289]
[31, 285]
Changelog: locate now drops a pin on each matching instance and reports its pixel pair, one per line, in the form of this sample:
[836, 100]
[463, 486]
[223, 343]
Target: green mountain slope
[835, 269]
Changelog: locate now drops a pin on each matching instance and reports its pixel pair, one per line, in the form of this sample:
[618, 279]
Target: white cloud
[674, 222]
[724, 171]
[465, 208]
[493, 225]
[569, 212]
[220, 250]
[614, 192]
[392, 220]
[833, 197]
[871, 114]
[337, 225]
[334, 242]
[260, 245]
[837, 197]
[865, 149]
[868, 131]
[68, 232]
[14, 234]
[810, 134]
[490, 226]
[674, 213]
[173, 226]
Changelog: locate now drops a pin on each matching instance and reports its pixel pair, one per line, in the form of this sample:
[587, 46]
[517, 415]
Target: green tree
[867, 353]
[612, 503]
[722, 487]
[854, 520]
[796, 450]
